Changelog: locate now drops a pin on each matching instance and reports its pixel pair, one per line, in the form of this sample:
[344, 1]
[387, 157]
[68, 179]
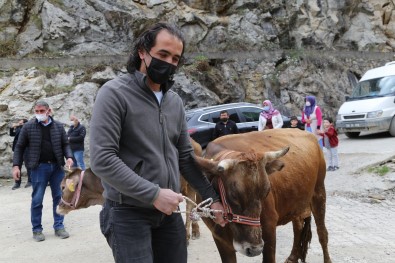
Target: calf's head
[91, 191]
[246, 184]
[68, 185]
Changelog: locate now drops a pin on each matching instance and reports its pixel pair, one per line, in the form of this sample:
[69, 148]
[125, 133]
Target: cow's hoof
[195, 236]
[291, 260]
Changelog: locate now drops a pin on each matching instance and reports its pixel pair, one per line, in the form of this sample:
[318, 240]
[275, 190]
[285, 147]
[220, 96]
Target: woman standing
[312, 117]
[269, 118]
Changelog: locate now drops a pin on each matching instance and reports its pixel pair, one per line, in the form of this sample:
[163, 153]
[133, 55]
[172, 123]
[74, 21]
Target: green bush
[380, 170]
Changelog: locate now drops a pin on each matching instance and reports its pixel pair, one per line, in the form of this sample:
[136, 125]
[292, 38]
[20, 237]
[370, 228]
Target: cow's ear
[274, 166]
[70, 185]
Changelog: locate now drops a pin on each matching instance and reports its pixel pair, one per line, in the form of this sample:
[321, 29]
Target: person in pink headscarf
[269, 118]
[312, 117]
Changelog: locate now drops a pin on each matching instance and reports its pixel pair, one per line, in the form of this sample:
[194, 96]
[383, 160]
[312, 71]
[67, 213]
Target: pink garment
[271, 112]
[318, 114]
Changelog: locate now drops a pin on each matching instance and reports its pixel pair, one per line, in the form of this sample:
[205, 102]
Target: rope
[200, 210]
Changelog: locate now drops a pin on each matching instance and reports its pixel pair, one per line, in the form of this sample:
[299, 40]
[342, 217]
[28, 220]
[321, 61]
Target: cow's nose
[253, 251]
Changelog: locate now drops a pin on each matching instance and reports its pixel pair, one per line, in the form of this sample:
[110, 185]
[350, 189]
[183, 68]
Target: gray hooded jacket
[138, 146]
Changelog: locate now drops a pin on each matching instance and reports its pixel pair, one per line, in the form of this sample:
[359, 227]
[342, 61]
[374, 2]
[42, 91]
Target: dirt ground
[360, 213]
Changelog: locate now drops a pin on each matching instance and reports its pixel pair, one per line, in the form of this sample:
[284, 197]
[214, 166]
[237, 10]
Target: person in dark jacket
[76, 135]
[139, 144]
[225, 126]
[14, 131]
[294, 123]
[48, 147]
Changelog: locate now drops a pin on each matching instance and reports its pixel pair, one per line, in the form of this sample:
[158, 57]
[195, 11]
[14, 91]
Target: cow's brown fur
[92, 190]
[276, 190]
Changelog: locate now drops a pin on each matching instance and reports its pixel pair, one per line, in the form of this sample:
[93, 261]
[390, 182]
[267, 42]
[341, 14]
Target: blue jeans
[332, 156]
[40, 176]
[142, 235]
[79, 159]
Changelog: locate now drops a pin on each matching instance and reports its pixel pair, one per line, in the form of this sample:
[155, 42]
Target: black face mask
[160, 71]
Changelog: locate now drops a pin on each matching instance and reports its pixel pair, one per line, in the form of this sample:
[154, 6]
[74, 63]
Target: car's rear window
[250, 113]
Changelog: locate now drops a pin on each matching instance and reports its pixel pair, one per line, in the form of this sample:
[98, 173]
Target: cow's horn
[225, 164]
[276, 154]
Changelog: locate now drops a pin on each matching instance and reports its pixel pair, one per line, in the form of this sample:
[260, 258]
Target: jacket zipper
[161, 121]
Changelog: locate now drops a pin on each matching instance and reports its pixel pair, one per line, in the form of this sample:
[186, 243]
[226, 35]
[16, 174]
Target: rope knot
[201, 210]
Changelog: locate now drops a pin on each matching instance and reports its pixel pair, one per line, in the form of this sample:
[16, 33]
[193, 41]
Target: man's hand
[219, 217]
[69, 163]
[167, 201]
[16, 173]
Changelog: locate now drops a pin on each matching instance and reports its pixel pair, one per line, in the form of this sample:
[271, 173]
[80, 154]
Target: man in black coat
[48, 148]
[224, 126]
[14, 131]
[76, 135]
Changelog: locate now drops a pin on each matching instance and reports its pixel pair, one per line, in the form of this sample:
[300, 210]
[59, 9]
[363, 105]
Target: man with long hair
[139, 144]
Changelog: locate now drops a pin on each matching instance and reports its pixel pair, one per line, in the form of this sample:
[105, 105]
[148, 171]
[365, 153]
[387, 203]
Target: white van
[371, 106]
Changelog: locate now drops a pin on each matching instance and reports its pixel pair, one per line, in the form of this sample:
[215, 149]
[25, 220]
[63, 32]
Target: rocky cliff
[237, 50]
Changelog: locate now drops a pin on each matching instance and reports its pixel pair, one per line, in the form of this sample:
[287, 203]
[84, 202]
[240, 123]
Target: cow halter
[76, 196]
[230, 216]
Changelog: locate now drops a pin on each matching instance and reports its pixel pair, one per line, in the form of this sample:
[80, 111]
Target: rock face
[237, 50]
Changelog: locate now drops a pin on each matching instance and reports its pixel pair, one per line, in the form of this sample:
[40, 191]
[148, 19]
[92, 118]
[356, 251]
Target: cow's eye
[234, 199]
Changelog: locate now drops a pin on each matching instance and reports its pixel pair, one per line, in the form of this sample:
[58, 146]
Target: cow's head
[246, 183]
[91, 190]
[69, 186]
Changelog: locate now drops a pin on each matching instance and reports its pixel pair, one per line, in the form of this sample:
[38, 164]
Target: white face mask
[72, 123]
[308, 104]
[41, 117]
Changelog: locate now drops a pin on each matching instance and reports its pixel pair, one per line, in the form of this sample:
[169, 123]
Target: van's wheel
[392, 127]
[352, 134]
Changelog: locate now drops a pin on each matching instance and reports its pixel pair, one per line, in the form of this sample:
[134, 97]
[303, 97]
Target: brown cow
[92, 190]
[264, 186]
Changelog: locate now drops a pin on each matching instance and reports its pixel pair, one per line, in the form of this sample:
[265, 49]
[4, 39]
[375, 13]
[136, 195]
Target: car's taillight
[192, 130]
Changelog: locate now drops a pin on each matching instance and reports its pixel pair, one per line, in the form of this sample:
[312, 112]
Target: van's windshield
[379, 87]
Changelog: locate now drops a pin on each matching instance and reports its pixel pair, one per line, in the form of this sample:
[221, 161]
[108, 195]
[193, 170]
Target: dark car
[201, 121]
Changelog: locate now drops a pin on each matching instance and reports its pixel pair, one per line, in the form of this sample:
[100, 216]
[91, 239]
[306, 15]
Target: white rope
[200, 210]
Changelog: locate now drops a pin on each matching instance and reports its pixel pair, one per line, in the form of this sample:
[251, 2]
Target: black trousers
[142, 235]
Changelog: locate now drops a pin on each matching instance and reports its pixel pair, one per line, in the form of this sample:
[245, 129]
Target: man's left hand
[69, 163]
[219, 218]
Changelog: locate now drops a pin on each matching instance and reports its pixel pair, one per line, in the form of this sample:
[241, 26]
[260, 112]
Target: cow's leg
[189, 206]
[191, 194]
[223, 239]
[269, 239]
[297, 225]
[195, 225]
[226, 250]
[195, 230]
[318, 209]
[188, 222]
[302, 238]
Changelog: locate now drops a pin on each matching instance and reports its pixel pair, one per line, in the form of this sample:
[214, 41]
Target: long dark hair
[147, 40]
